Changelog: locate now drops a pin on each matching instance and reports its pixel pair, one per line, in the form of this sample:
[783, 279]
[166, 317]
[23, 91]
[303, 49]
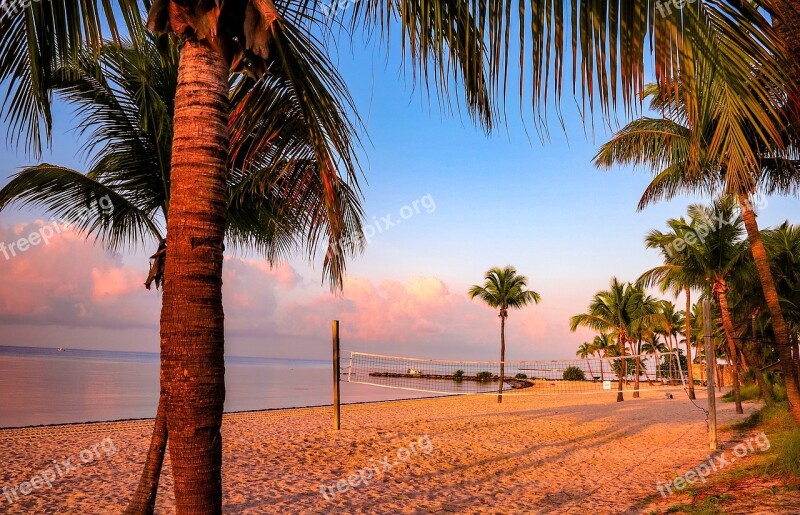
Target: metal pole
[710, 355]
[336, 406]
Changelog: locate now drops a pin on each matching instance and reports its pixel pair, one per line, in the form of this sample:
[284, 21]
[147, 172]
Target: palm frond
[88, 206]
[34, 40]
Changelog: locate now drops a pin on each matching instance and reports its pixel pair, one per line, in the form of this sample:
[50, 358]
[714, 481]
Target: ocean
[45, 386]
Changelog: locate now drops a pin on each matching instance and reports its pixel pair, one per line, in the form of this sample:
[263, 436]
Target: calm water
[44, 386]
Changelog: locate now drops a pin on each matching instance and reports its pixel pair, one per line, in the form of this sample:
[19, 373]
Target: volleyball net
[660, 371]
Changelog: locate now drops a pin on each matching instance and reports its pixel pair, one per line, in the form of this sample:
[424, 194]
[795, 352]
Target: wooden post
[710, 362]
[336, 406]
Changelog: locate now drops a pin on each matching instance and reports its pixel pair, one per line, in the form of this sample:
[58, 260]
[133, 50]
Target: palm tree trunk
[773, 303]
[754, 365]
[589, 363]
[689, 369]
[144, 499]
[622, 369]
[672, 373]
[192, 318]
[602, 373]
[502, 356]
[727, 325]
[638, 371]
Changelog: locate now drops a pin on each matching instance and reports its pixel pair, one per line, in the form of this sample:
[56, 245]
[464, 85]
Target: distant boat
[61, 349]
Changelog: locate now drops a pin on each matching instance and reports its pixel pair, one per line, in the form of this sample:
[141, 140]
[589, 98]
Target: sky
[459, 202]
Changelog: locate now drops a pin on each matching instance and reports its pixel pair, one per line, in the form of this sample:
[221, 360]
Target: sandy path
[532, 454]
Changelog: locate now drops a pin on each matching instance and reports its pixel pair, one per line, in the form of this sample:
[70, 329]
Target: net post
[710, 355]
[336, 405]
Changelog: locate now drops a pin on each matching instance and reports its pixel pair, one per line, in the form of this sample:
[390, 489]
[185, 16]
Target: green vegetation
[574, 374]
[751, 391]
[458, 375]
[484, 376]
[521, 376]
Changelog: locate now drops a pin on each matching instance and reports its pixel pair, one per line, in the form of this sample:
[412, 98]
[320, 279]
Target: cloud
[422, 316]
[71, 283]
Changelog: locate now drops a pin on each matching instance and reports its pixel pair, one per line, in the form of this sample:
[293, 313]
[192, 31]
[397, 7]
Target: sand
[530, 454]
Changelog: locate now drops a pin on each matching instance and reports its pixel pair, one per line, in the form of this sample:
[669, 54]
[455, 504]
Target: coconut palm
[643, 323]
[125, 99]
[601, 345]
[613, 312]
[674, 277]
[665, 146]
[746, 303]
[467, 43]
[586, 350]
[718, 252]
[504, 288]
[783, 246]
[669, 323]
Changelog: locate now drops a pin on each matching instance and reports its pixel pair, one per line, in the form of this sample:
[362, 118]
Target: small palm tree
[670, 320]
[676, 277]
[504, 289]
[601, 345]
[586, 350]
[613, 312]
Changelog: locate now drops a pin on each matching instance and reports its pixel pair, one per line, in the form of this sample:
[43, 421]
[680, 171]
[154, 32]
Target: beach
[469, 454]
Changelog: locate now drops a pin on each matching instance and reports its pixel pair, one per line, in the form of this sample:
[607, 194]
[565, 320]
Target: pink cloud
[269, 310]
[422, 316]
[69, 281]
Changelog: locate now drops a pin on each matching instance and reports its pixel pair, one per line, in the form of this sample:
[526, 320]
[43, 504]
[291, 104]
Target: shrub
[520, 376]
[484, 376]
[574, 374]
[458, 375]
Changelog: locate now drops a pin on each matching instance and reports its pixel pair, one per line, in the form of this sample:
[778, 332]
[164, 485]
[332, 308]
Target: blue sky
[506, 198]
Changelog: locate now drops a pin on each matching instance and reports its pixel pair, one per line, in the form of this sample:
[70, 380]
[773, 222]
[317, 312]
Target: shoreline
[262, 410]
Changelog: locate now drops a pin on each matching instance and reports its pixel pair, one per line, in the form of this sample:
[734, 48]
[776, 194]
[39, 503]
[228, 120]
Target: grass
[750, 392]
[783, 457]
[786, 460]
[709, 506]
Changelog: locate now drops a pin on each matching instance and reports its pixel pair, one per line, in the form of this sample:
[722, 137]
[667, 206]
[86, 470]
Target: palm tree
[644, 321]
[504, 289]
[613, 312]
[669, 322]
[673, 276]
[585, 350]
[601, 345]
[130, 120]
[783, 246]
[466, 42]
[718, 252]
[684, 159]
